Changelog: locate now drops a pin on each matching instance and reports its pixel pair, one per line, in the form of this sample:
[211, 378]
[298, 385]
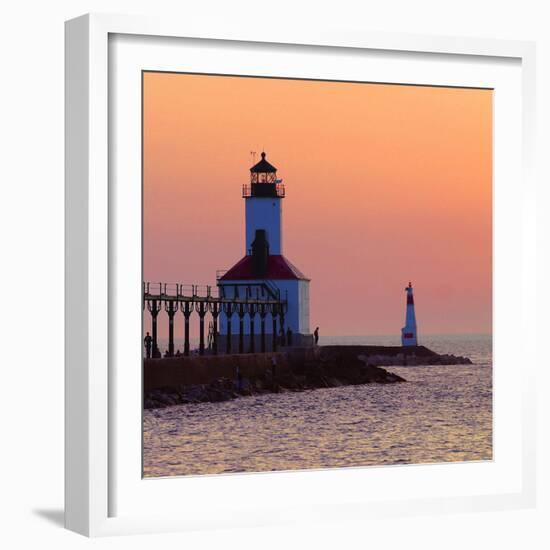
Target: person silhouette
[316, 336]
[288, 337]
[148, 342]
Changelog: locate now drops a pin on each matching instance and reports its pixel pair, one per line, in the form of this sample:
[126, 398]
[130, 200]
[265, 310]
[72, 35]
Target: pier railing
[247, 300]
[262, 293]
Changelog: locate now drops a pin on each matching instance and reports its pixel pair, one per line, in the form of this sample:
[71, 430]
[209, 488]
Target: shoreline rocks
[307, 376]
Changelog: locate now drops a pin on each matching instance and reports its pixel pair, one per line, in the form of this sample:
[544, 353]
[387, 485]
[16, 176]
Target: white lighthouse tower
[264, 271]
[264, 206]
[408, 332]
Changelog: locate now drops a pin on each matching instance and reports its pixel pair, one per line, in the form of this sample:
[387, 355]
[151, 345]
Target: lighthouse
[408, 332]
[264, 271]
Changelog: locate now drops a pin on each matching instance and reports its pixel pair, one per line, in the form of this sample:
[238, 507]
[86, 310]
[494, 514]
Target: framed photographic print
[293, 287]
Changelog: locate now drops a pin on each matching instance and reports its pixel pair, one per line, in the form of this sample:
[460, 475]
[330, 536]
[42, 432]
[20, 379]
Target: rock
[392, 377]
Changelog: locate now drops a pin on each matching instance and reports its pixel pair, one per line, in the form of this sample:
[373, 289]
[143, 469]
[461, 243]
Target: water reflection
[441, 414]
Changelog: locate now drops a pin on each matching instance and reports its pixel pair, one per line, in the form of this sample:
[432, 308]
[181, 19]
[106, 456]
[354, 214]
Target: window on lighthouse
[263, 177]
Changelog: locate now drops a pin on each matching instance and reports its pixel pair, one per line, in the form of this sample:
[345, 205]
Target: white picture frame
[102, 497]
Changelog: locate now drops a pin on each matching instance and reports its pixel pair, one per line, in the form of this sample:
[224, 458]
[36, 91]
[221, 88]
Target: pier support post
[228, 309]
[215, 311]
[229, 336]
[154, 307]
[241, 312]
[252, 315]
[263, 313]
[187, 309]
[202, 312]
[171, 307]
[282, 327]
[156, 351]
[274, 335]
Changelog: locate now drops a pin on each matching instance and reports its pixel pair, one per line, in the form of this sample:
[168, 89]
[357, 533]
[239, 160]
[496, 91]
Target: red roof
[278, 267]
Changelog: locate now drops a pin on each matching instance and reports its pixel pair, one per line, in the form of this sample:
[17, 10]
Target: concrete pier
[186, 371]
[176, 380]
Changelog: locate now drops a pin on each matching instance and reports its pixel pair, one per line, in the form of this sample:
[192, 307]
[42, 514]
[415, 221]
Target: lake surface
[442, 414]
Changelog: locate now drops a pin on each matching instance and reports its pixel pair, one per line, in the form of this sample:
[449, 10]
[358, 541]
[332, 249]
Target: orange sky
[384, 184]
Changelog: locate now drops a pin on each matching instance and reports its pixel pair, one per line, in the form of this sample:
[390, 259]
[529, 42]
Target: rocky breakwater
[296, 370]
[398, 356]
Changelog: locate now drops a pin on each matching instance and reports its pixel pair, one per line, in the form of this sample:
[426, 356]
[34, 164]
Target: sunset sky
[384, 184]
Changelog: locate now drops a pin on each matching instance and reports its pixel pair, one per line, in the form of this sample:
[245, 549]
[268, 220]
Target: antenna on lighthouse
[253, 153]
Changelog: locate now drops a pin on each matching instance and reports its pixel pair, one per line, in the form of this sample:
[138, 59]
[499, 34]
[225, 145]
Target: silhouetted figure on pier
[288, 337]
[316, 336]
[148, 342]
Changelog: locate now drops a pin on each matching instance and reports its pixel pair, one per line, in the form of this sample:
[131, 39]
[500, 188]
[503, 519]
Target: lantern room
[263, 181]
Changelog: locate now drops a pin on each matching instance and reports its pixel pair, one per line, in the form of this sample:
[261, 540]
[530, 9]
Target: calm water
[442, 413]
